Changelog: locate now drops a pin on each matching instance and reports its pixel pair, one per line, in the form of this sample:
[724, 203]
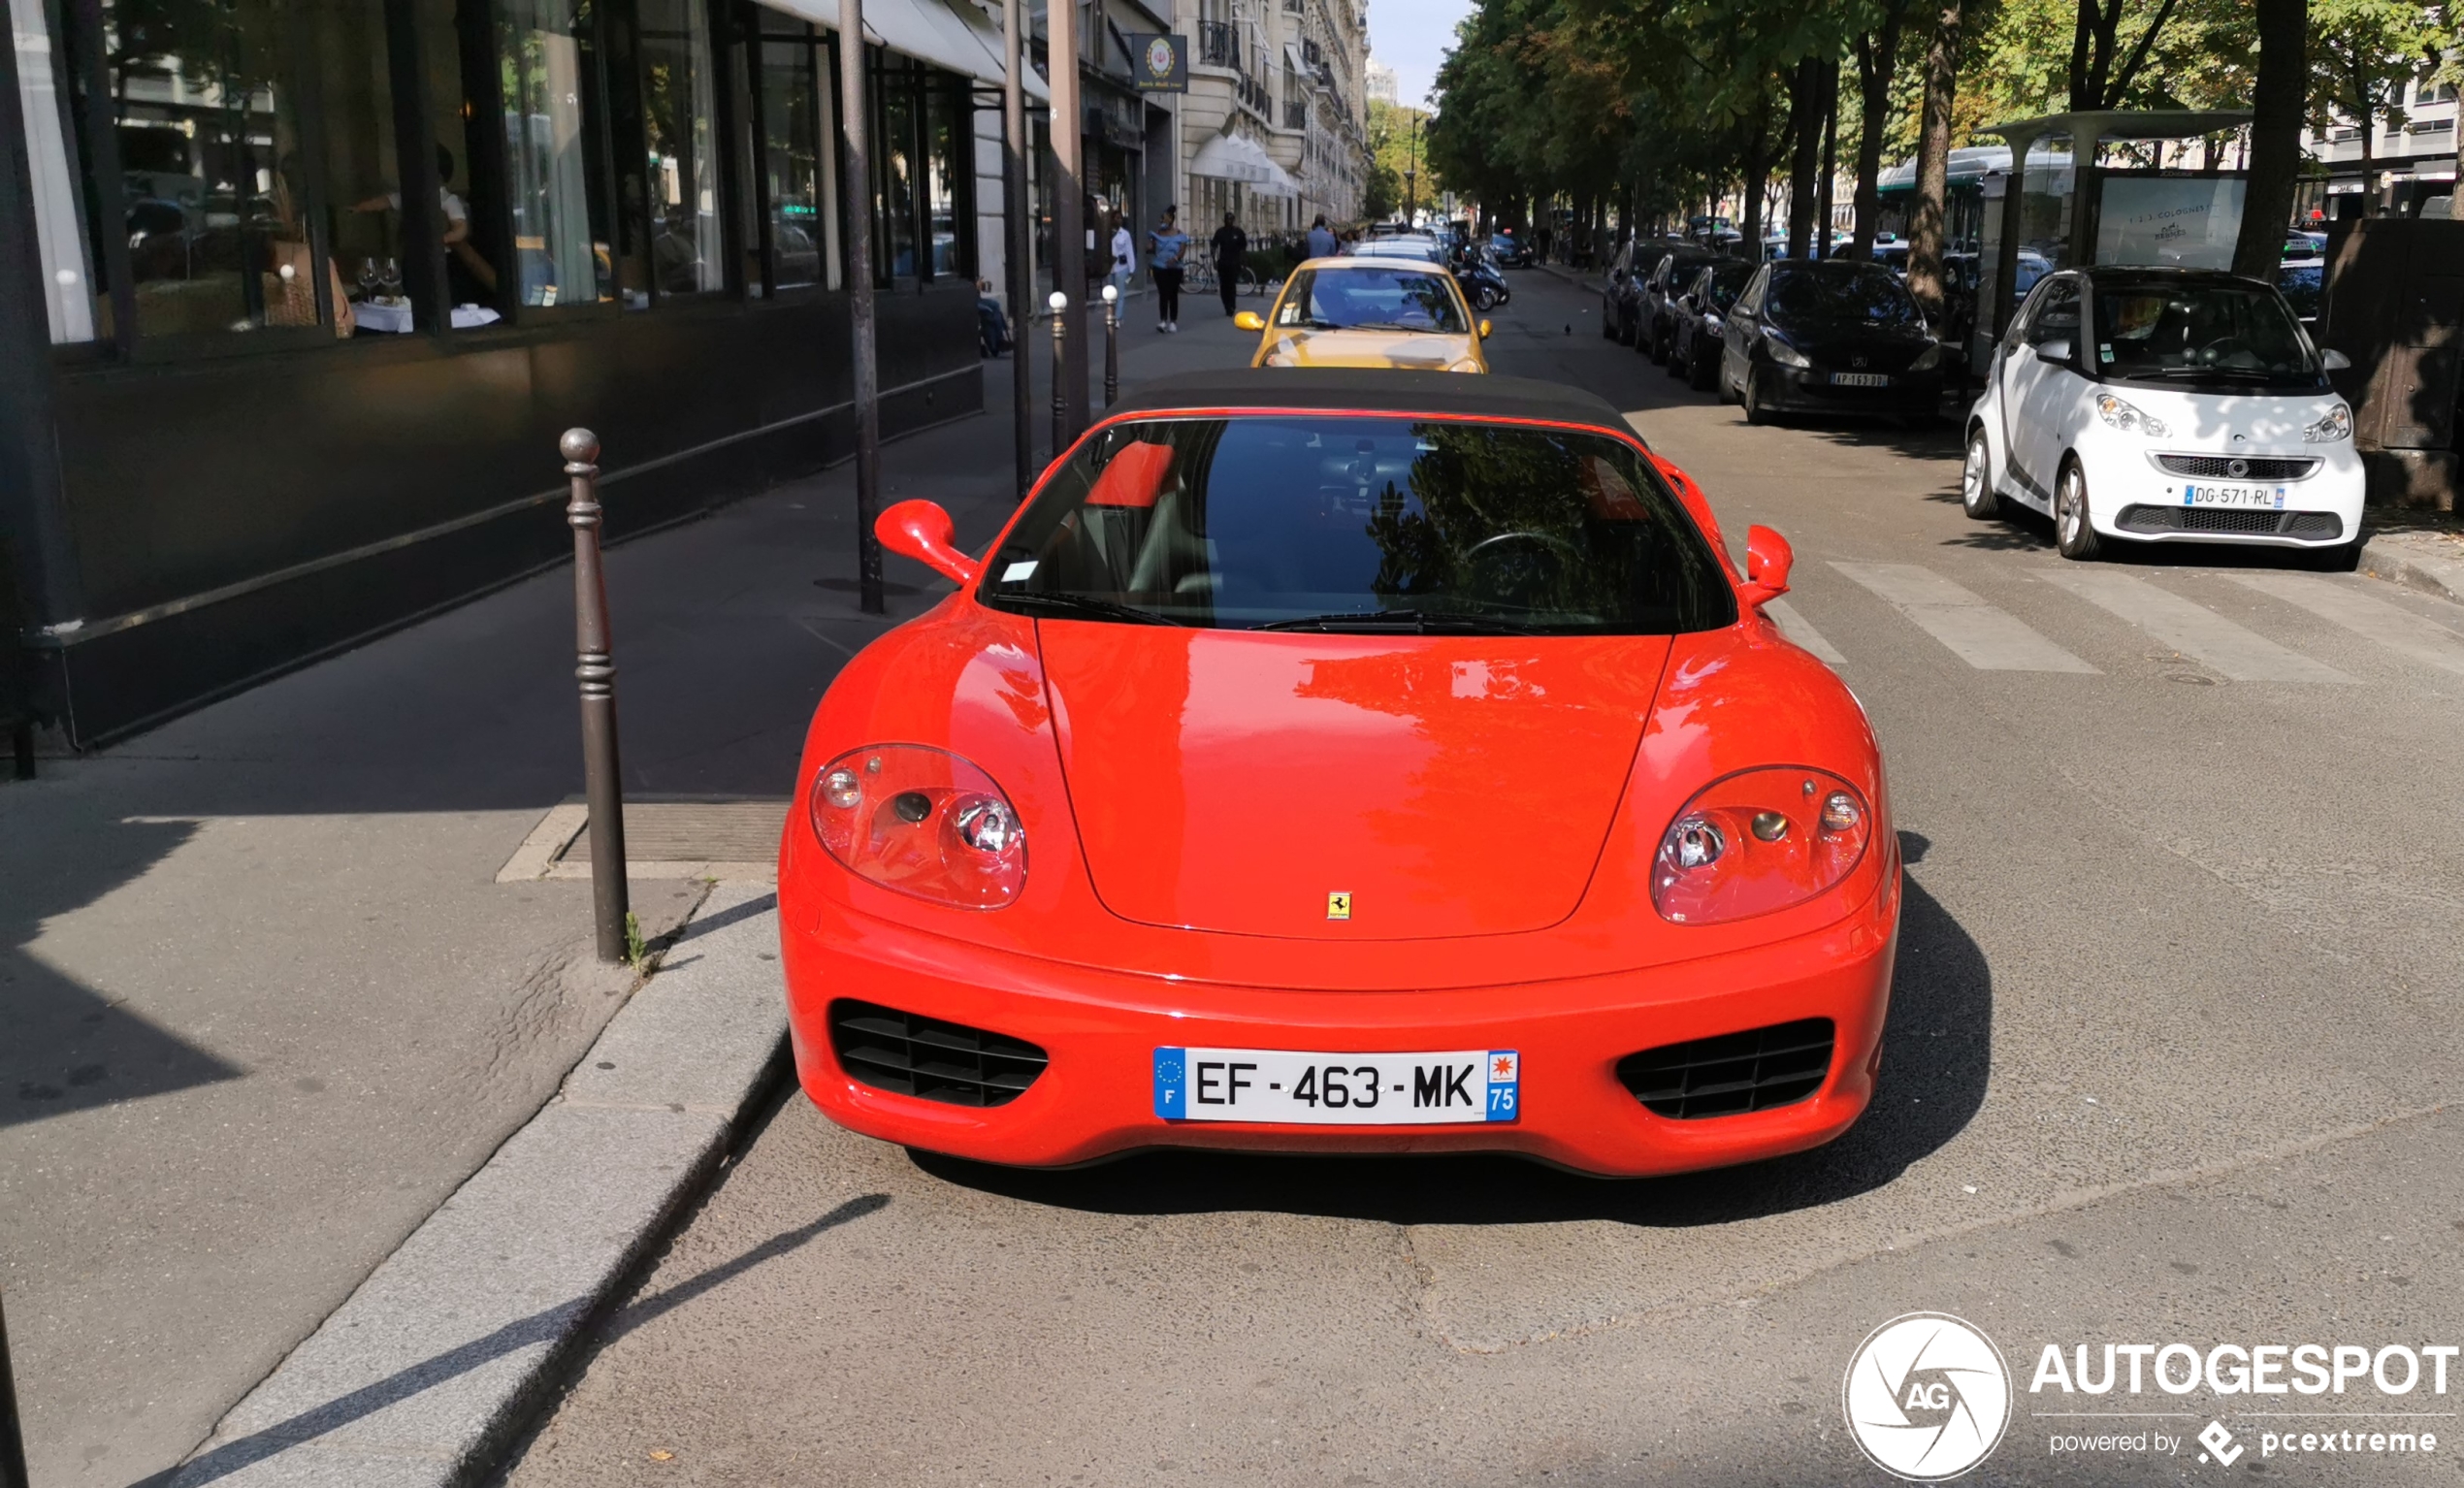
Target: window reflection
[547, 76]
[946, 128]
[897, 204]
[800, 178]
[679, 124]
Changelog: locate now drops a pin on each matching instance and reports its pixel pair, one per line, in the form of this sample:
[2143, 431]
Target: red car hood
[1233, 781]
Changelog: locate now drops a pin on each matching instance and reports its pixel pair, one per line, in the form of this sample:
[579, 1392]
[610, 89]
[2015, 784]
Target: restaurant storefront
[295, 296]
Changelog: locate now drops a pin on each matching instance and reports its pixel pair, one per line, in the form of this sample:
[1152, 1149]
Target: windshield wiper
[2245, 373]
[1418, 622]
[1385, 325]
[1086, 606]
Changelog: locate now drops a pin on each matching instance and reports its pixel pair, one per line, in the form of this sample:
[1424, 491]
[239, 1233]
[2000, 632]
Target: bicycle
[1198, 278]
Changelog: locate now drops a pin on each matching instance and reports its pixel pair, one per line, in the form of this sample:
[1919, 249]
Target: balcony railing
[1218, 44]
[1296, 113]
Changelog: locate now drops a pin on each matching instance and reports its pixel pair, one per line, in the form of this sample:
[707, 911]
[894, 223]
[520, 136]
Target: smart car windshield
[1372, 297]
[1360, 524]
[2176, 330]
[1829, 296]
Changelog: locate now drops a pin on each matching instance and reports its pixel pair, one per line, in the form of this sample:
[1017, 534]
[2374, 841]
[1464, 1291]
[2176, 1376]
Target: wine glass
[368, 278]
[390, 278]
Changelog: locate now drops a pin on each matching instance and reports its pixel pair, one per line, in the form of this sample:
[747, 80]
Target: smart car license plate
[1323, 1089]
[2232, 496]
[1858, 380]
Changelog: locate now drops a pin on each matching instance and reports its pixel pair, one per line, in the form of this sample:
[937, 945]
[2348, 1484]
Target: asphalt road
[2173, 1030]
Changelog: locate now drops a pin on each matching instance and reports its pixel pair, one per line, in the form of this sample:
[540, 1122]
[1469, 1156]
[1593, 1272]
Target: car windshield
[2302, 286]
[1685, 267]
[1726, 282]
[1360, 523]
[1371, 297]
[2174, 329]
[1836, 296]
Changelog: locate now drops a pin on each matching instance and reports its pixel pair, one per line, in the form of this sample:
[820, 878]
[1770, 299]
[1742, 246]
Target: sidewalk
[268, 1004]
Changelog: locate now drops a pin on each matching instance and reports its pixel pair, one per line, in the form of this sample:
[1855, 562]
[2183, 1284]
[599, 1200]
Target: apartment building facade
[1275, 126]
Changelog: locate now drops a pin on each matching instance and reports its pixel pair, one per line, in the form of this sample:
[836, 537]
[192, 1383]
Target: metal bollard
[13, 1474]
[1060, 373]
[1111, 345]
[595, 669]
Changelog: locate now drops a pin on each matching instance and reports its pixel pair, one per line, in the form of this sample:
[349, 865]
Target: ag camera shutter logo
[1927, 1396]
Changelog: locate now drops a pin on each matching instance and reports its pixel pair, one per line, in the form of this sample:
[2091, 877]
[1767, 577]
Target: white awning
[949, 34]
[1231, 157]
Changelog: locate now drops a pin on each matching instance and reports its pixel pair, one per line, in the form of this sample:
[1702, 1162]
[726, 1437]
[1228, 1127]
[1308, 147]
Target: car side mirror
[923, 531]
[1767, 559]
[1249, 320]
[2055, 351]
[1484, 330]
[2335, 361]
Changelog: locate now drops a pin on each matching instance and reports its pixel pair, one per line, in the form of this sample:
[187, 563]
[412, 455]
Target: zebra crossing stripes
[1798, 629]
[1978, 634]
[2391, 626]
[2192, 629]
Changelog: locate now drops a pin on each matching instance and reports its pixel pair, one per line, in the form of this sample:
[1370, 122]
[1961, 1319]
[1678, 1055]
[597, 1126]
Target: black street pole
[595, 670]
[1060, 370]
[13, 1473]
[1017, 209]
[853, 108]
[1111, 345]
[1069, 204]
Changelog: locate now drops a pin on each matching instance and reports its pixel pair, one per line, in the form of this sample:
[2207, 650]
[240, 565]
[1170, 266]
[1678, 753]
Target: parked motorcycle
[1483, 283]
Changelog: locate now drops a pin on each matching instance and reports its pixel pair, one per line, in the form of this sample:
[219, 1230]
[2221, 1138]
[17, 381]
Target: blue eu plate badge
[1297, 1088]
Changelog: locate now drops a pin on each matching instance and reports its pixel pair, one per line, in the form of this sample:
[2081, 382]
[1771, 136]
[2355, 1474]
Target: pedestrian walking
[1166, 246]
[1228, 251]
[1322, 238]
[1124, 256]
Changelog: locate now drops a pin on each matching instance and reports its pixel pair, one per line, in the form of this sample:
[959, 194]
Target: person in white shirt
[1124, 256]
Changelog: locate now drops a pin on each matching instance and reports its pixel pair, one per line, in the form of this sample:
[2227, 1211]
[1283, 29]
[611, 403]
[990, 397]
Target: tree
[1877, 59]
[2276, 108]
[2362, 54]
[1933, 160]
[2095, 40]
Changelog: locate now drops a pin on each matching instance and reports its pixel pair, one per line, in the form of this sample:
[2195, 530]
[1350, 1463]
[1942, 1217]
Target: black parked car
[1829, 337]
[1658, 311]
[1694, 349]
[1621, 289]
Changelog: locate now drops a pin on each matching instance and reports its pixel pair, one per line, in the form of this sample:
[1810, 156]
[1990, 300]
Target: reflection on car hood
[2205, 422]
[1231, 780]
[1839, 346]
[1425, 350]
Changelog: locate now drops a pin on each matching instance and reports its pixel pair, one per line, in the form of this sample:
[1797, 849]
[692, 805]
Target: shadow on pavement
[1936, 1054]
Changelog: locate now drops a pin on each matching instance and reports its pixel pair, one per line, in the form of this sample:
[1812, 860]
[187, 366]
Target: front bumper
[1799, 390]
[1101, 1029]
[2132, 497]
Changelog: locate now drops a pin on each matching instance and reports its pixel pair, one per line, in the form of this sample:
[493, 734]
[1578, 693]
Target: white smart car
[2166, 405]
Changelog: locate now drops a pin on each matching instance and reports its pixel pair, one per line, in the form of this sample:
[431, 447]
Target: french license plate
[1858, 380]
[1323, 1089]
[2260, 496]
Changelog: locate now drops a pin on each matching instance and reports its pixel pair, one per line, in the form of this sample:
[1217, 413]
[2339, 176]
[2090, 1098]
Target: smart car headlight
[2334, 424]
[1785, 354]
[920, 821]
[1759, 841]
[2129, 418]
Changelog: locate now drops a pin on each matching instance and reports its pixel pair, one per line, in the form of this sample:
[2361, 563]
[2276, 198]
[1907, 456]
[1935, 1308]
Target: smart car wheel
[1977, 495]
[2073, 534]
[1752, 398]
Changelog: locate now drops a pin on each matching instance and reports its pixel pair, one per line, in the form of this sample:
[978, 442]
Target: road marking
[1796, 629]
[2393, 626]
[1983, 637]
[2239, 653]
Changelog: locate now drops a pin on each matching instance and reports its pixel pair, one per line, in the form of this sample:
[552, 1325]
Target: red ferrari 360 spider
[1334, 763]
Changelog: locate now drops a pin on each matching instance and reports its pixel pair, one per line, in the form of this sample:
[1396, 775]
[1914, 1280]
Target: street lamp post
[859, 305]
[1021, 249]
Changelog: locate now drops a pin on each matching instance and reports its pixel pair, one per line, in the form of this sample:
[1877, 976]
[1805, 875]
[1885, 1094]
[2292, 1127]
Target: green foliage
[1394, 149]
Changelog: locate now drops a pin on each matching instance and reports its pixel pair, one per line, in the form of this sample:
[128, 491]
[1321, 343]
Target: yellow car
[1368, 312]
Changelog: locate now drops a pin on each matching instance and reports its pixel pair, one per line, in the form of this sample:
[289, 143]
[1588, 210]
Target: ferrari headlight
[1759, 841]
[920, 821]
[2334, 424]
[2130, 419]
[1928, 359]
[1785, 354]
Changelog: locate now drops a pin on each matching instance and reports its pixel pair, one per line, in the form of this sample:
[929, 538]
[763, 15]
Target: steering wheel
[1519, 568]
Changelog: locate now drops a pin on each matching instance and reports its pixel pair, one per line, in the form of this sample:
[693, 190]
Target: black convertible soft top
[1376, 389]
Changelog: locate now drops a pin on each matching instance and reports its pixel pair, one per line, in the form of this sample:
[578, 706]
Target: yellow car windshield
[1372, 297]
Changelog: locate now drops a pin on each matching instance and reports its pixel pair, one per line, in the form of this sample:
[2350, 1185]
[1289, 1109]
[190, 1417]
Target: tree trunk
[1933, 161]
[2276, 110]
[1877, 60]
[1758, 170]
[1805, 113]
[1830, 158]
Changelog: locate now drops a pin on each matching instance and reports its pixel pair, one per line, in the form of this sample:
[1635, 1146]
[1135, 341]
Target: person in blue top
[1166, 246]
[1322, 238]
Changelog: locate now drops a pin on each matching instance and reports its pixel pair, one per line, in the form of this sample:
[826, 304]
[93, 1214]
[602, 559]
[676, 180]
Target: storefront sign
[1161, 63]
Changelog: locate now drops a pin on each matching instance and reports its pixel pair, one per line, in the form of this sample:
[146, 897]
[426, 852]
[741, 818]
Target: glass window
[547, 77]
[895, 202]
[949, 137]
[680, 128]
[1359, 523]
[216, 177]
[1373, 297]
[800, 178]
[59, 227]
[2220, 331]
[1829, 293]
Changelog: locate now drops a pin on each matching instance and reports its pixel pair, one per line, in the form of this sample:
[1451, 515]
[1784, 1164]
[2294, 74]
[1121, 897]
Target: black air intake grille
[2253, 468]
[932, 1060]
[1731, 1074]
[2313, 524]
